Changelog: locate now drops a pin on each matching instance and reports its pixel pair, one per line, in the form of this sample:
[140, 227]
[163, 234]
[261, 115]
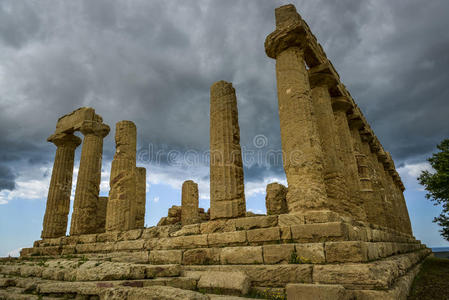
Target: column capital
[341, 103]
[322, 79]
[65, 139]
[95, 128]
[355, 121]
[381, 155]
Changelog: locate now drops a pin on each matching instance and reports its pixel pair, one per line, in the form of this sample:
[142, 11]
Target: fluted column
[58, 200]
[189, 203]
[302, 153]
[89, 177]
[121, 212]
[141, 186]
[341, 106]
[227, 195]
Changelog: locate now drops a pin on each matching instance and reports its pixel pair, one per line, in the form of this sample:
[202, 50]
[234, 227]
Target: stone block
[31, 271]
[263, 235]
[277, 254]
[256, 222]
[111, 236]
[50, 251]
[159, 231]
[316, 292]
[321, 216]
[68, 249]
[319, 232]
[162, 271]
[130, 245]
[136, 257]
[217, 226]
[87, 238]
[346, 252]
[241, 255]
[130, 235]
[165, 257]
[229, 283]
[275, 200]
[184, 242]
[278, 275]
[291, 219]
[192, 229]
[227, 239]
[286, 233]
[92, 271]
[310, 253]
[202, 256]
[69, 240]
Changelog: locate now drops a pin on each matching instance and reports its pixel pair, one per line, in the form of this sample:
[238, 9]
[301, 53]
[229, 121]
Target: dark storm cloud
[153, 62]
[6, 178]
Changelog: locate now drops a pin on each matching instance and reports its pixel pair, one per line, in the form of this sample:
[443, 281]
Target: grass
[432, 282]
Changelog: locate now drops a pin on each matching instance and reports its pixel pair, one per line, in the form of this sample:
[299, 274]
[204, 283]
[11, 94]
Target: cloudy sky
[153, 62]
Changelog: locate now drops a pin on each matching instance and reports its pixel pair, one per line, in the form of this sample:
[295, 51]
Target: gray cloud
[6, 178]
[153, 62]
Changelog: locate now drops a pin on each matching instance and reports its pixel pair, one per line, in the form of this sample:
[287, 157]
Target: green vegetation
[437, 185]
[432, 281]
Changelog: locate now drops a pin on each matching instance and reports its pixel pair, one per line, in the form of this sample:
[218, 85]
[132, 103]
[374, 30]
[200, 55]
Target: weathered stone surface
[275, 200]
[202, 256]
[291, 219]
[165, 257]
[227, 197]
[227, 239]
[151, 293]
[346, 252]
[263, 235]
[162, 271]
[310, 253]
[316, 292]
[102, 206]
[189, 206]
[218, 226]
[255, 222]
[278, 254]
[231, 283]
[93, 271]
[141, 194]
[319, 231]
[187, 230]
[241, 255]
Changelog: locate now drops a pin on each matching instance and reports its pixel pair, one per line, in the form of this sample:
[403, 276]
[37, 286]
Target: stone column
[302, 153]
[89, 177]
[58, 200]
[121, 213]
[336, 188]
[141, 192]
[189, 203]
[227, 195]
[341, 107]
[275, 200]
[102, 205]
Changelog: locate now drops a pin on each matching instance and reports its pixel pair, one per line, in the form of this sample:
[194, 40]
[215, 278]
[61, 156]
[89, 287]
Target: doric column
[341, 106]
[141, 186]
[58, 200]
[102, 205]
[189, 203]
[121, 212]
[227, 195]
[89, 177]
[336, 188]
[302, 153]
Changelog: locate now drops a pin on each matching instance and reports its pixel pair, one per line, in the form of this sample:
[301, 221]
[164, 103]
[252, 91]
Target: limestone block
[68, 249]
[316, 292]
[227, 239]
[135, 257]
[226, 168]
[130, 245]
[202, 256]
[111, 236]
[263, 235]
[69, 240]
[256, 222]
[189, 207]
[286, 233]
[230, 283]
[159, 231]
[278, 275]
[165, 257]
[275, 200]
[218, 226]
[73, 121]
[87, 238]
[323, 216]
[31, 271]
[310, 253]
[162, 271]
[187, 230]
[278, 254]
[346, 252]
[50, 251]
[241, 255]
[150, 292]
[91, 271]
[183, 242]
[130, 235]
[319, 232]
[291, 219]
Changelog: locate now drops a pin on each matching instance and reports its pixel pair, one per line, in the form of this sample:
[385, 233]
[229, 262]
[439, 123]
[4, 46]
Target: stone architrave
[141, 187]
[276, 199]
[301, 146]
[227, 195]
[58, 200]
[189, 203]
[121, 212]
[341, 106]
[336, 188]
[89, 177]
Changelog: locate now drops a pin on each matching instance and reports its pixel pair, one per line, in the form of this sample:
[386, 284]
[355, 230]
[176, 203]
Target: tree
[437, 185]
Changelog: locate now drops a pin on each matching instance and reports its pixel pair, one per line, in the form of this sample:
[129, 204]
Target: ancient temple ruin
[339, 230]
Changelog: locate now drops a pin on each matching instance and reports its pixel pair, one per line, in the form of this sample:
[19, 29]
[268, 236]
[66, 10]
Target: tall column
[89, 177]
[102, 205]
[121, 212]
[336, 188]
[302, 153]
[189, 203]
[141, 192]
[227, 195]
[341, 107]
[58, 200]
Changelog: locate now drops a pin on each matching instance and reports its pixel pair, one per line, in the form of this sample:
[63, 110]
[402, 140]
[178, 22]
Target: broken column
[341, 106]
[302, 153]
[276, 199]
[189, 203]
[121, 212]
[141, 186]
[227, 195]
[336, 188]
[58, 200]
[89, 177]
